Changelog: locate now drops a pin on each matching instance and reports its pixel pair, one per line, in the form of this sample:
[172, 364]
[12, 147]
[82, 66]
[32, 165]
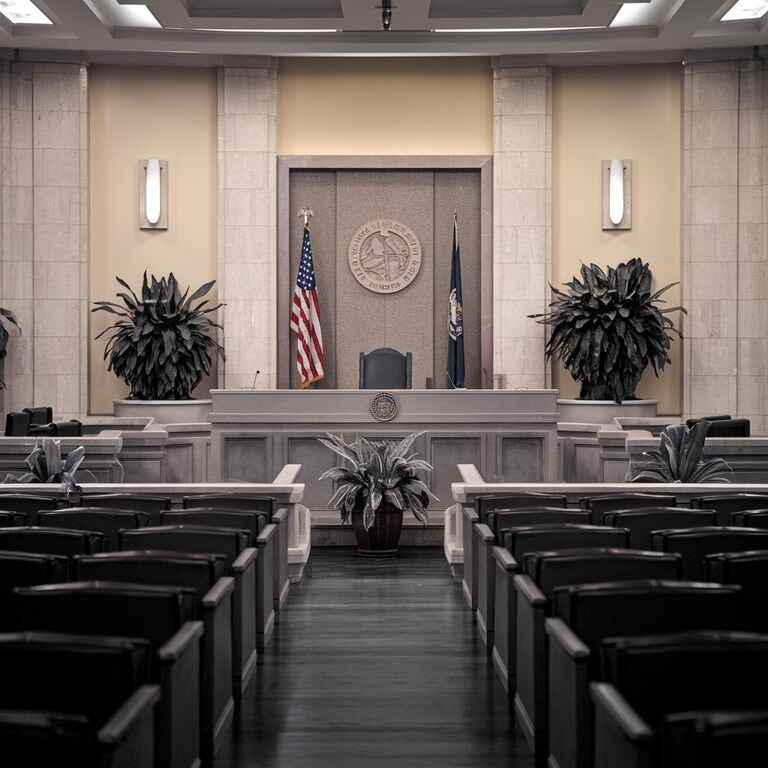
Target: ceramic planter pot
[384, 535]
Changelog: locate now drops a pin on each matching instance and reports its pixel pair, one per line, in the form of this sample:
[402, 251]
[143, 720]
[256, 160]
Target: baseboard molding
[263, 638]
[552, 762]
[222, 725]
[284, 594]
[248, 672]
[467, 593]
[501, 670]
[486, 636]
[526, 726]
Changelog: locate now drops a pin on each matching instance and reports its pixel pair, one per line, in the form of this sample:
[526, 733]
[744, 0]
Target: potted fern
[161, 345]
[378, 482]
[607, 328]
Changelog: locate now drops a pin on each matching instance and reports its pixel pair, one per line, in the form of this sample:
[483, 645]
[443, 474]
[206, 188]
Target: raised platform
[510, 434]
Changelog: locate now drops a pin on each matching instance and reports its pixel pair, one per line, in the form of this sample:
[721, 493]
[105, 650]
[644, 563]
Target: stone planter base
[165, 411]
[603, 411]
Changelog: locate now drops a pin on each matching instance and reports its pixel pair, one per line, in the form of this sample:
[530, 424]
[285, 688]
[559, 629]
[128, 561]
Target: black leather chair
[642, 522]
[108, 522]
[693, 422]
[165, 616]
[152, 505]
[543, 573]
[55, 738]
[386, 368]
[694, 544]
[726, 505]
[584, 615]
[478, 513]
[749, 570]
[22, 569]
[262, 537]
[241, 562]
[599, 505]
[51, 541]
[500, 519]
[39, 415]
[102, 680]
[501, 612]
[729, 428]
[27, 503]
[713, 739]
[42, 430]
[16, 424]
[262, 505]
[12, 519]
[648, 678]
[752, 518]
[70, 428]
[206, 575]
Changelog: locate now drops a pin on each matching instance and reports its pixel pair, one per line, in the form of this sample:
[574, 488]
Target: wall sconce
[153, 194]
[617, 194]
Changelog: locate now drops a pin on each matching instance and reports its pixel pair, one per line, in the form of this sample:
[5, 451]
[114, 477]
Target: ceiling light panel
[642, 14]
[114, 14]
[510, 30]
[746, 10]
[23, 12]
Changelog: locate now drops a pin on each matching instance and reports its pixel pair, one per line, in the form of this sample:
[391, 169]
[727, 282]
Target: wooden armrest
[504, 558]
[280, 515]
[118, 726]
[218, 592]
[267, 534]
[621, 712]
[484, 532]
[471, 515]
[175, 647]
[244, 559]
[568, 640]
[528, 588]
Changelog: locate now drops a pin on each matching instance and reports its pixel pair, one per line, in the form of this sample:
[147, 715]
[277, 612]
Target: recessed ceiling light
[501, 30]
[747, 9]
[23, 12]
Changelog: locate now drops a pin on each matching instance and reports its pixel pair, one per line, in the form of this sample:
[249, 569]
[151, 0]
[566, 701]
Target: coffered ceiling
[536, 30]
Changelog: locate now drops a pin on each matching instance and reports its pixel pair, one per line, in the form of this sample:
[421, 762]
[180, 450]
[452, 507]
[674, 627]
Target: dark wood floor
[375, 664]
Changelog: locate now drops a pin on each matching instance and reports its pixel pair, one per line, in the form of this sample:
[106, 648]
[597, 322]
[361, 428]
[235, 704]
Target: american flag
[305, 319]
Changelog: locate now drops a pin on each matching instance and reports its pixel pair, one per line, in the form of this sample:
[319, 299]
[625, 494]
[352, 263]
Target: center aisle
[375, 664]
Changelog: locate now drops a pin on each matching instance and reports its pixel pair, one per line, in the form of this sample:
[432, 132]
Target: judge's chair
[386, 368]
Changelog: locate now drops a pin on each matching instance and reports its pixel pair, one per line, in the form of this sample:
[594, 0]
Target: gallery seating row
[159, 509]
[201, 633]
[555, 590]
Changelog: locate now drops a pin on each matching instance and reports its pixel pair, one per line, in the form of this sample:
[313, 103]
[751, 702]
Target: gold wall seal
[385, 256]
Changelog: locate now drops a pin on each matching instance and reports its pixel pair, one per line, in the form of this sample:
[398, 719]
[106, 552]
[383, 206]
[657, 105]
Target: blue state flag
[456, 317]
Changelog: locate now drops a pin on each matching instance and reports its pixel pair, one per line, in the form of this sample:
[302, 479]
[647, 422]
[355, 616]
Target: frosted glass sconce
[153, 194]
[617, 194]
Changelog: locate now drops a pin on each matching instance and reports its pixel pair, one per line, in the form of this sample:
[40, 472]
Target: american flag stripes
[305, 319]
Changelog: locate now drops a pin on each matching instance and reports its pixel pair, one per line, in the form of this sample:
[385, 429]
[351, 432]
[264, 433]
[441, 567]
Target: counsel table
[510, 434]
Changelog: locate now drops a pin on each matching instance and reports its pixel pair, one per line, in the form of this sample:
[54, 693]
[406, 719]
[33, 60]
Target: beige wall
[136, 113]
[354, 106]
[631, 113]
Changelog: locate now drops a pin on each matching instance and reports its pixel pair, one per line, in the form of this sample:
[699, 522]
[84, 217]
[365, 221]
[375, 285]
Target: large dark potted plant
[377, 484]
[162, 341]
[608, 327]
[6, 317]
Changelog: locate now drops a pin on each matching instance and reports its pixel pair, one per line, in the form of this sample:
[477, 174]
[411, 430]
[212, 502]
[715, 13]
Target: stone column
[724, 249]
[247, 230]
[45, 235]
[522, 220]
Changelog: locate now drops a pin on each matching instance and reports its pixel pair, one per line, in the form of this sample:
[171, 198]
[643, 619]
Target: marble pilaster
[247, 223]
[522, 220]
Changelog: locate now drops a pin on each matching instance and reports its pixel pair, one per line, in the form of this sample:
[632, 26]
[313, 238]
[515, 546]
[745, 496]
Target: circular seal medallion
[383, 407]
[385, 256]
